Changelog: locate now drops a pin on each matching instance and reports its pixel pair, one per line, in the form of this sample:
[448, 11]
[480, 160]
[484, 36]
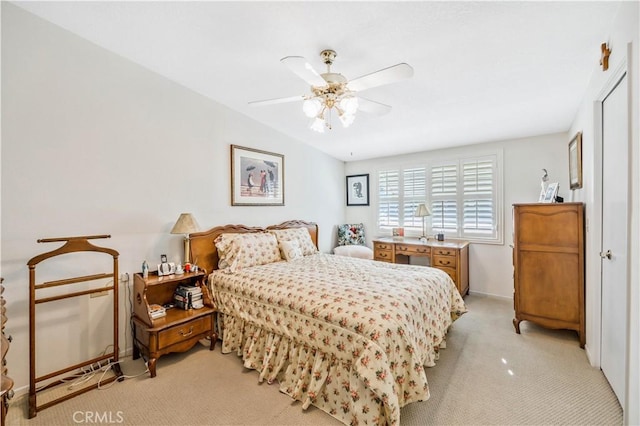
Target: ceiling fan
[332, 90]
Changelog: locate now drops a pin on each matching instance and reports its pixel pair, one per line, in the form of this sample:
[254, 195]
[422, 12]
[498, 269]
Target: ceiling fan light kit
[331, 91]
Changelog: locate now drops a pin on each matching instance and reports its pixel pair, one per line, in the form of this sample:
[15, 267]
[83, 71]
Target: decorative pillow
[237, 251]
[222, 245]
[299, 234]
[290, 250]
[362, 252]
[351, 234]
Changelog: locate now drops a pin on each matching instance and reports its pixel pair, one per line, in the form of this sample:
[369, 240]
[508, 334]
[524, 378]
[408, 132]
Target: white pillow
[361, 252]
[290, 250]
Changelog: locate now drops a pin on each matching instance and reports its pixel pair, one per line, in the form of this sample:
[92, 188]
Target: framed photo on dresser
[550, 195]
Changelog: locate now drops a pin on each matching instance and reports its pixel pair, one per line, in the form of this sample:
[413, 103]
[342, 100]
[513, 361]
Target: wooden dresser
[450, 256]
[548, 263]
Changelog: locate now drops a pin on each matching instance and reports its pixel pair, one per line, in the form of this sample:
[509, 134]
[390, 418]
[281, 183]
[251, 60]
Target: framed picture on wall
[575, 162]
[358, 190]
[257, 177]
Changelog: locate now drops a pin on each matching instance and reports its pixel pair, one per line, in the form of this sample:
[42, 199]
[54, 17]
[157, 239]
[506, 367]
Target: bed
[347, 335]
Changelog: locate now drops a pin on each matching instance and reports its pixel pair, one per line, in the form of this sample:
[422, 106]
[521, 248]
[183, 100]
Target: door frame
[593, 255]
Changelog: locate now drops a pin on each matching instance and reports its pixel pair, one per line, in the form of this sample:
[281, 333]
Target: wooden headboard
[203, 251]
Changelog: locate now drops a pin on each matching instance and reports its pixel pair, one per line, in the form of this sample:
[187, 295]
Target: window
[399, 193]
[388, 199]
[414, 192]
[463, 194]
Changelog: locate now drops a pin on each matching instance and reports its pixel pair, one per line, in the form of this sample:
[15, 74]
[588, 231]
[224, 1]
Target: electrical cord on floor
[121, 378]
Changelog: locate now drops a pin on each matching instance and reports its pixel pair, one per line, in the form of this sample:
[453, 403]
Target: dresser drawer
[413, 250]
[439, 251]
[448, 261]
[182, 332]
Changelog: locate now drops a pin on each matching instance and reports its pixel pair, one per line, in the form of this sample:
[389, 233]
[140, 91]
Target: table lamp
[185, 225]
[422, 211]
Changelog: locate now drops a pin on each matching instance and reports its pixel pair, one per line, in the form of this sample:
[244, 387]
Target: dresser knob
[10, 338]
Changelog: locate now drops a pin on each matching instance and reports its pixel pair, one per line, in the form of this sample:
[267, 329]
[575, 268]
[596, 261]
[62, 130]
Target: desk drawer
[382, 246]
[448, 261]
[182, 332]
[383, 255]
[438, 251]
[450, 271]
[413, 250]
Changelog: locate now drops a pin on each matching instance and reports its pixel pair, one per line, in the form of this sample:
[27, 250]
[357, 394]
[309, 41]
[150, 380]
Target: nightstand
[179, 330]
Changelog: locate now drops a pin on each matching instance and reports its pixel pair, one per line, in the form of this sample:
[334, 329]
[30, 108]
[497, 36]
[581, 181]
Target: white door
[615, 181]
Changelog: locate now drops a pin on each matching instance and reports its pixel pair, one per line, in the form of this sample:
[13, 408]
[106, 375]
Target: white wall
[623, 41]
[490, 265]
[95, 144]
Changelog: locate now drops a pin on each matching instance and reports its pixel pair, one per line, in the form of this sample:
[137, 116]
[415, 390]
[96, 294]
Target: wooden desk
[451, 256]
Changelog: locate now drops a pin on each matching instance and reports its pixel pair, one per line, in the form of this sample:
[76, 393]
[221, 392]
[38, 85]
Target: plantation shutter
[444, 199]
[478, 208]
[414, 193]
[389, 199]
[463, 194]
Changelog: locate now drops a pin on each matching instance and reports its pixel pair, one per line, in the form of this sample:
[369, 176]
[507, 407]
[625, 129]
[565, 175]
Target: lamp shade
[311, 107]
[186, 224]
[422, 210]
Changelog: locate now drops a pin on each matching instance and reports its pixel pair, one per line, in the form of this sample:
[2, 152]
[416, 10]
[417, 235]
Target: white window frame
[497, 236]
[412, 226]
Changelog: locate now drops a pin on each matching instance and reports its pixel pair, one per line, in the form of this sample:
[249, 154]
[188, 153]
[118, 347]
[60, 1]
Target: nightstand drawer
[449, 261]
[183, 332]
[413, 250]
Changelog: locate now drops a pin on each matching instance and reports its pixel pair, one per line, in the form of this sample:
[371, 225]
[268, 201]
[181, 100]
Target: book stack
[156, 311]
[188, 297]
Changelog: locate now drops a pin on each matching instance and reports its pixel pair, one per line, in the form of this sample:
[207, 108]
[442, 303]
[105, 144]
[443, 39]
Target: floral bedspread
[347, 335]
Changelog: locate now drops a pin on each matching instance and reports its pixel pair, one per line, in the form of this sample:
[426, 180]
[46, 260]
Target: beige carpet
[487, 375]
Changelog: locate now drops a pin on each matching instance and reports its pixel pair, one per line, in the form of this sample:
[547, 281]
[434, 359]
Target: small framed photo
[358, 190]
[397, 233]
[257, 177]
[575, 162]
[550, 194]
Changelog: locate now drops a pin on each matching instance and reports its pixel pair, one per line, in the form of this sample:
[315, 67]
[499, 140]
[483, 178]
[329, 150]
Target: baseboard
[590, 358]
[495, 296]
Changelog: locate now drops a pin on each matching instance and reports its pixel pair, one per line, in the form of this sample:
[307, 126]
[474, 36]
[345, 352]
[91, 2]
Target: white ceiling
[483, 71]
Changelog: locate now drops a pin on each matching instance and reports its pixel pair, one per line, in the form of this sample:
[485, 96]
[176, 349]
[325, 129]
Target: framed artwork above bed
[257, 177]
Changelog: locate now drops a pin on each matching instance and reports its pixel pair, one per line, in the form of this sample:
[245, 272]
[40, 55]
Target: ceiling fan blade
[304, 70]
[277, 101]
[384, 76]
[372, 107]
